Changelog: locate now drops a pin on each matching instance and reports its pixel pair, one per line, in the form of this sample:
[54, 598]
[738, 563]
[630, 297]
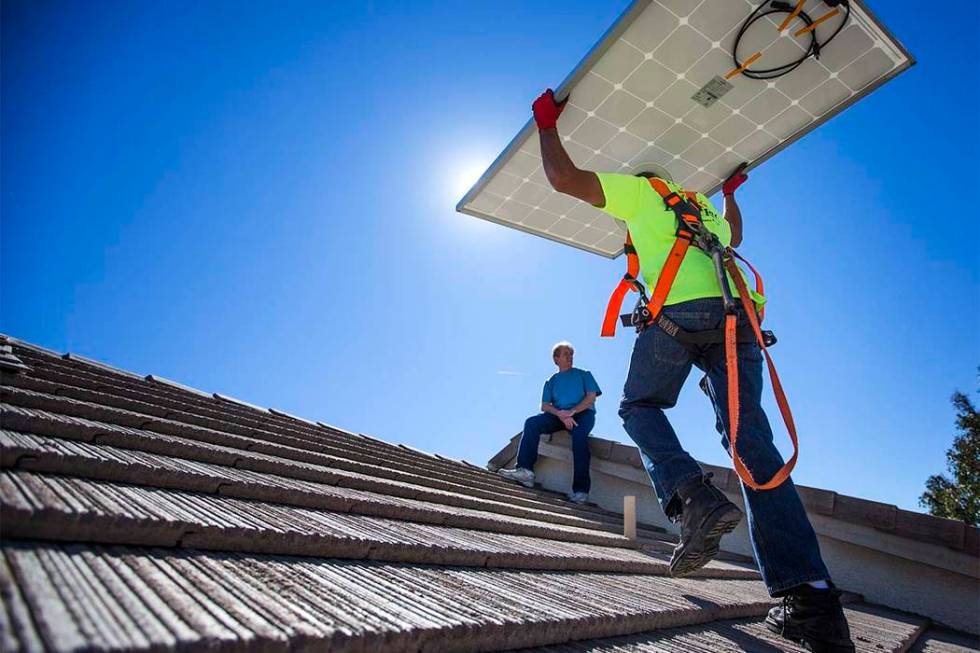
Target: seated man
[567, 403]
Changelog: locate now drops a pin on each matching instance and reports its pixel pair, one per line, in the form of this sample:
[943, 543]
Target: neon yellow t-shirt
[654, 229]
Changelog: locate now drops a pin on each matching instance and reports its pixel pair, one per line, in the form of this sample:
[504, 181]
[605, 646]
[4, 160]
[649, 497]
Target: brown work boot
[813, 618]
[706, 515]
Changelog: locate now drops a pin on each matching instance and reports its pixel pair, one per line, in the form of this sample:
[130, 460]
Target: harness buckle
[769, 338]
[640, 318]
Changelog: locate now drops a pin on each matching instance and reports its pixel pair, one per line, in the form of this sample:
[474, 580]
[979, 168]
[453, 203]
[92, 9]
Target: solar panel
[662, 87]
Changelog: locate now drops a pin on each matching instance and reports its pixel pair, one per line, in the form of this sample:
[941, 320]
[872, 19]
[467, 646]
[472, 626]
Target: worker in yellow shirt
[782, 537]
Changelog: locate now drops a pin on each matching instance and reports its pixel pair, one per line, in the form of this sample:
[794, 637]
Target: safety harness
[692, 231]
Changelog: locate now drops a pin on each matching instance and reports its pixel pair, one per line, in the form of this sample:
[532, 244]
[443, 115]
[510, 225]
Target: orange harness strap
[665, 280]
[731, 359]
[759, 288]
[626, 284]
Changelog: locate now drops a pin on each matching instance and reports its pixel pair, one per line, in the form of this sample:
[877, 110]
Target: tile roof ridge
[152, 378]
[239, 402]
[343, 430]
[31, 346]
[282, 413]
[8, 360]
[78, 358]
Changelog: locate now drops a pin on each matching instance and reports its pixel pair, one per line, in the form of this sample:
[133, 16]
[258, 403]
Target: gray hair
[564, 344]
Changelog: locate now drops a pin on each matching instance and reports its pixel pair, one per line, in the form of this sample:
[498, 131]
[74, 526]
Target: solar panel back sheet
[662, 87]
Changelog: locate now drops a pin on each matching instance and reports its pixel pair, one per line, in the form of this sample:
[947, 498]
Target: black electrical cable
[778, 7]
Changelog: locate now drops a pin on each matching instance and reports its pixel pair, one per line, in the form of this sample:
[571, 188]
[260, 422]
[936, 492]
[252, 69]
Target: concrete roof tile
[51, 424]
[18, 629]
[205, 412]
[107, 457]
[872, 627]
[261, 601]
[180, 386]
[941, 640]
[52, 455]
[971, 541]
[505, 455]
[624, 455]
[239, 402]
[9, 362]
[950, 532]
[822, 502]
[282, 413]
[30, 346]
[88, 362]
[224, 453]
[872, 513]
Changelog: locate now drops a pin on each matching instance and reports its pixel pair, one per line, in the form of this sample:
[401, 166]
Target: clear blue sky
[258, 199]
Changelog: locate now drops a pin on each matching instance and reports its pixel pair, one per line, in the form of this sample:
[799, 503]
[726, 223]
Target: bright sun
[467, 175]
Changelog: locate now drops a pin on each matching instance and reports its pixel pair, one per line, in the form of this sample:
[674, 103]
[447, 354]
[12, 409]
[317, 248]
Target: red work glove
[546, 110]
[733, 182]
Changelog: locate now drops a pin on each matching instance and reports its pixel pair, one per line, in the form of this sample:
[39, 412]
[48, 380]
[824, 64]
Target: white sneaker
[578, 497]
[523, 476]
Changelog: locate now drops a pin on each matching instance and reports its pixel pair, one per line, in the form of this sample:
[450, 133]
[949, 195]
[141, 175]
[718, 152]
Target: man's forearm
[585, 404]
[734, 217]
[549, 408]
[562, 173]
[558, 166]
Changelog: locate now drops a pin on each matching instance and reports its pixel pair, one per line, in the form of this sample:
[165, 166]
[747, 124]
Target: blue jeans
[527, 454]
[782, 537]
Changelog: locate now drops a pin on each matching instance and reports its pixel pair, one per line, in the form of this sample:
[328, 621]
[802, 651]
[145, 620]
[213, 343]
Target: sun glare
[468, 175]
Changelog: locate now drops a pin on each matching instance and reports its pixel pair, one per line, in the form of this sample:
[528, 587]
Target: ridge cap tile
[239, 402]
[282, 413]
[153, 378]
[38, 349]
[323, 424]
[76, 358]
[402, 445]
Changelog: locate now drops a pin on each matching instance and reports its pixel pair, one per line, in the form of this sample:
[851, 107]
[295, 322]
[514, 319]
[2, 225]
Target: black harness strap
[710, 336]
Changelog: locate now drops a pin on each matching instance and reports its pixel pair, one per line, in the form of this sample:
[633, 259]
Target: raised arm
[732, 213]
[734, 217]
[563, 175]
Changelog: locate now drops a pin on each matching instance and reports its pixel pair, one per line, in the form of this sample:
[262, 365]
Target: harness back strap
[731, 359]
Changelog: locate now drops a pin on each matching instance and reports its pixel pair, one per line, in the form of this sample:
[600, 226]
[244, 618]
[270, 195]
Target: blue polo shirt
[565, 390]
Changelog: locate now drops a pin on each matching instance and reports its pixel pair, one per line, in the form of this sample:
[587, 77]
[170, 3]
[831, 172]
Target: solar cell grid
[631, 104]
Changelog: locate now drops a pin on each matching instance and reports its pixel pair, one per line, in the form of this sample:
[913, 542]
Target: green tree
[959, 497]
